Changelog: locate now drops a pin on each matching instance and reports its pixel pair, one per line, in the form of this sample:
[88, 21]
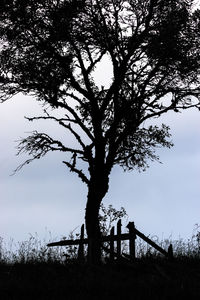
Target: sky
[44, 197]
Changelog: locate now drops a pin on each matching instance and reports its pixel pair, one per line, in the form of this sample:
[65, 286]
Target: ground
[143, 279]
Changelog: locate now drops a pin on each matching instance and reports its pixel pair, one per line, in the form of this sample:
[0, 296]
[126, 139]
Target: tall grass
[33, 250]
[182, 248]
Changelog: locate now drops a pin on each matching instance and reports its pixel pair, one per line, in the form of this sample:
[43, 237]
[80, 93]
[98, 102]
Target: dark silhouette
[50, 49]
[131, 237]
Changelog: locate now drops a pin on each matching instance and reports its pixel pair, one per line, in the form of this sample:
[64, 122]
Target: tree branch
[61, 122]
[75, 170]
[39, 144]
[94, 62]
[77, 118]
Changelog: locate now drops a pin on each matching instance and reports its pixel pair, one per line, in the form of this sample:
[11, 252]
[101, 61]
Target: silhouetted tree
[50, 49]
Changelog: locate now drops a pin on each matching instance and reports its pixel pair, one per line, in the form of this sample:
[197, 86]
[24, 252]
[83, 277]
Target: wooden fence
[111, 239]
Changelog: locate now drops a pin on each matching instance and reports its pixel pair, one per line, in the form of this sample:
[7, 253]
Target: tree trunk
[96, 192]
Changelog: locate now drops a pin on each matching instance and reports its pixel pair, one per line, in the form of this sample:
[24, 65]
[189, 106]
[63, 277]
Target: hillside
[144, 279]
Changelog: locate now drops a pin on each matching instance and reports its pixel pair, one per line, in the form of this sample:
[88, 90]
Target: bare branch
[94, 62]
[77, 118]
[79, 172]
[61, 122]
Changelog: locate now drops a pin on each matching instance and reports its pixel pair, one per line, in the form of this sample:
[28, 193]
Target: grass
[34, 271]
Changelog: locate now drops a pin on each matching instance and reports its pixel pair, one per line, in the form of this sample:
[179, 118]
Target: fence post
[112, 244]
[81, 247]
[119, 225]
[132, 237]
[170, 252]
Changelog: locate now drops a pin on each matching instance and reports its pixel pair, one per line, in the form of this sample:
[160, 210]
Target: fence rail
[131, 236]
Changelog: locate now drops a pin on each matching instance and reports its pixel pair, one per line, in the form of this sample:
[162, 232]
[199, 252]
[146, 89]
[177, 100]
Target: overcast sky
[44, 196]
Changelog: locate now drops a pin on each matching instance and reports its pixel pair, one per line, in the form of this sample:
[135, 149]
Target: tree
[51, 48]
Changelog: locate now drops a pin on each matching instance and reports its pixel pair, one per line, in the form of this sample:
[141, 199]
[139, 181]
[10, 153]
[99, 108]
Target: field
[141, 280]
[35, 272]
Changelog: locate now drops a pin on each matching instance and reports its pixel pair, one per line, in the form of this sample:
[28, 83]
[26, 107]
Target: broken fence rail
[131, 236]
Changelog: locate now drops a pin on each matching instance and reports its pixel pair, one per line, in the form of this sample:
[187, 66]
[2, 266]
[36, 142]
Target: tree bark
[98, 187]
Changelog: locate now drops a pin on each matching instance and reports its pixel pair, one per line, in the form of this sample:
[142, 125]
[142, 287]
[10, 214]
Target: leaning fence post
[119, 225]
[81, 247]
[112, 244]
[132, 237]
